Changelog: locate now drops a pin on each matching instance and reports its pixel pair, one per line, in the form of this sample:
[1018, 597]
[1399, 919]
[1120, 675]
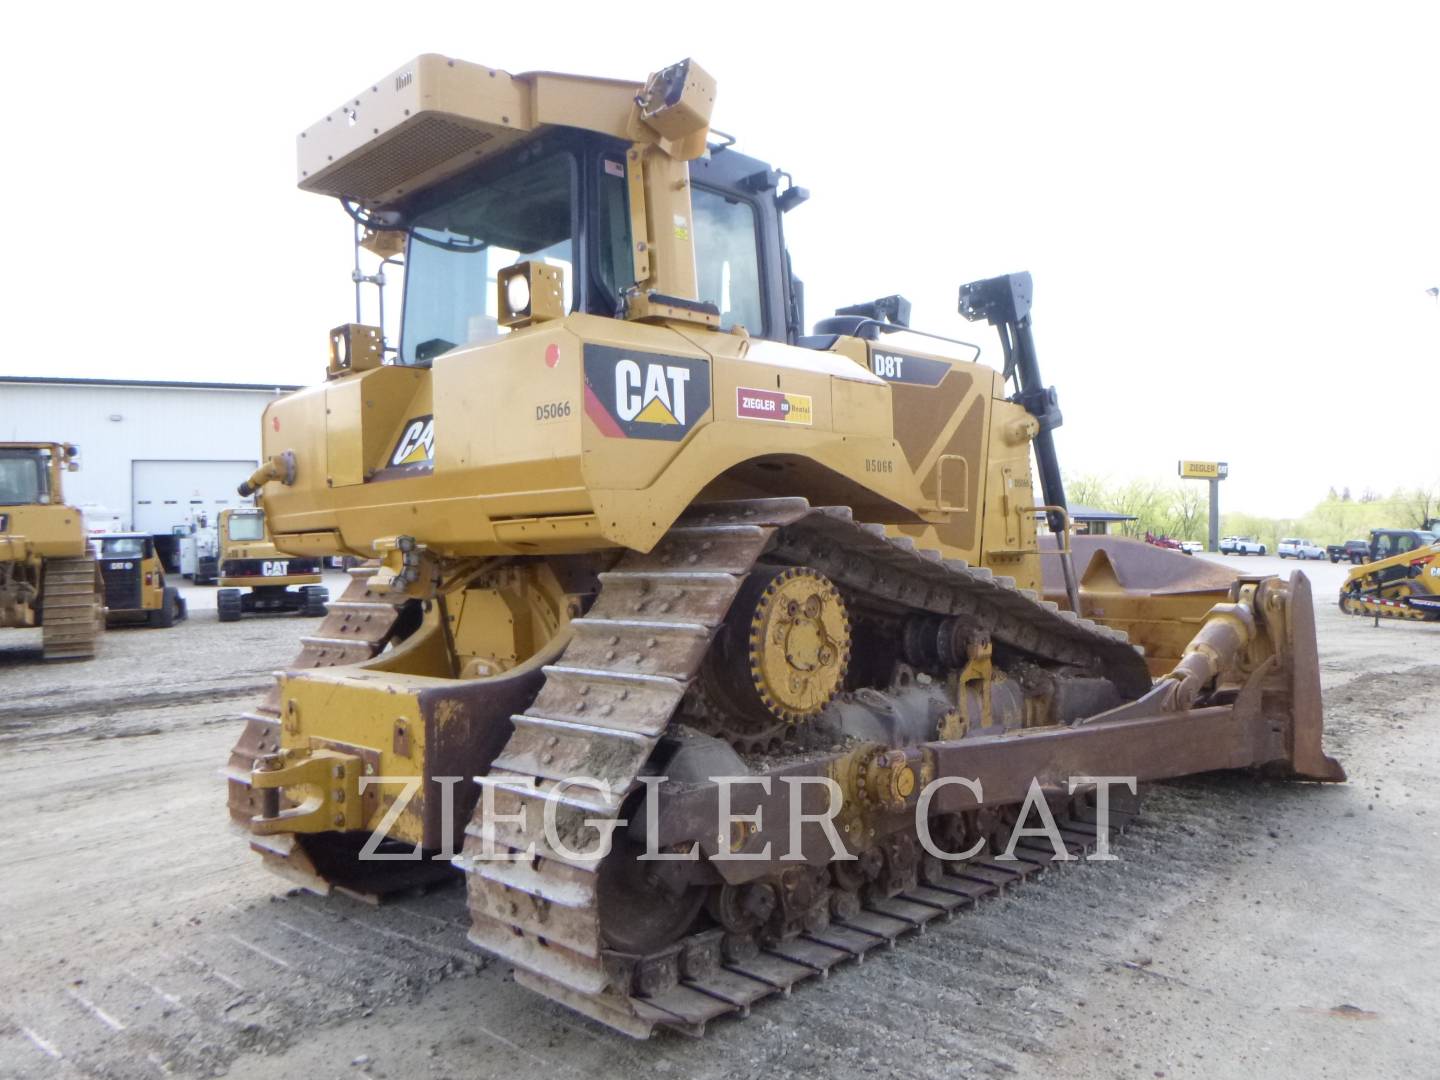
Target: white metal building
[155, 453]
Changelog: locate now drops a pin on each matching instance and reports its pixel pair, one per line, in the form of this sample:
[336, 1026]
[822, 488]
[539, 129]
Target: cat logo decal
[640, 395]
[416, 446]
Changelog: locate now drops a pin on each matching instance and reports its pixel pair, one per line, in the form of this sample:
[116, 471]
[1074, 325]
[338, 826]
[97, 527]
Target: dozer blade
[1255, 659]
[1157, 596]
[1308, 761]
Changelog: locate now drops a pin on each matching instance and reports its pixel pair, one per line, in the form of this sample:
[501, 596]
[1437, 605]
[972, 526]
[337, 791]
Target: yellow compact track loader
[48, 576]
[1400, 580]
[256, 576]
[746, 633]
[135, 587]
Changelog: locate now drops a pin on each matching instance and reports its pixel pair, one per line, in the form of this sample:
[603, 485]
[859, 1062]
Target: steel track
[73, 613]
[610, 697]
[1373, 605]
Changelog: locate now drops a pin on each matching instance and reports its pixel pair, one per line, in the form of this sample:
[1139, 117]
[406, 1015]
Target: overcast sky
[1229, 209]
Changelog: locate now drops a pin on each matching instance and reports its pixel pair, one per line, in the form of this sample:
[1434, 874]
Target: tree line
[1182, 510]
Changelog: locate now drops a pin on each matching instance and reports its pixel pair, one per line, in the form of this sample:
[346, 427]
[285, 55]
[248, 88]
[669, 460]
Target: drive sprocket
[782, 654]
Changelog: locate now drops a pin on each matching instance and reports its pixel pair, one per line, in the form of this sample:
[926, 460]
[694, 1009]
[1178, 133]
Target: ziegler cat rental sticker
[753, 404]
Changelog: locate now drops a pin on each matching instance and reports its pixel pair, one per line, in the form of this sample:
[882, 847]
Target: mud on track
[1249, 927]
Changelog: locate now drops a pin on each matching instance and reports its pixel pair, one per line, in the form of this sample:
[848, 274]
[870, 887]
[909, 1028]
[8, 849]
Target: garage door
[169, 493]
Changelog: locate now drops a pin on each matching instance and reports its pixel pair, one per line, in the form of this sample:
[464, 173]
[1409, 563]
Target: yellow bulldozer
[713, 653]
[48, 576]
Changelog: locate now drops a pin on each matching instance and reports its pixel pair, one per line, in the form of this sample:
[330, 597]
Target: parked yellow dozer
[675, 578]
[48, 576]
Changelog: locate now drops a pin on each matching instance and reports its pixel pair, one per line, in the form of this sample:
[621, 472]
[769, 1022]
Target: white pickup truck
[1241, 545]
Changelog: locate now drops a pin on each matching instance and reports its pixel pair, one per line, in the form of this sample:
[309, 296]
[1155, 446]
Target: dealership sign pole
[1214, 471]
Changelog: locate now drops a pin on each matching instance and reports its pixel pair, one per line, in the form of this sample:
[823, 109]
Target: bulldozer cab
[563, 199]
[30, 473]
[34, 520]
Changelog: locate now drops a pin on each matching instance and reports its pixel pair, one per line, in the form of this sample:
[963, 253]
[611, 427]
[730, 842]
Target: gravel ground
[1249, 928]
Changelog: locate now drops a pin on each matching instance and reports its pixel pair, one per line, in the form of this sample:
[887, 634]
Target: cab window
[458, 246]
[727, 261]
[615, 260]
[246, 527]
[123, 547]
[24, 477]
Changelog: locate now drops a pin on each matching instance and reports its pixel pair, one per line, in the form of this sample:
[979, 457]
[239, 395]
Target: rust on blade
[1138, 567]
[1156, 596]
[1308, 759]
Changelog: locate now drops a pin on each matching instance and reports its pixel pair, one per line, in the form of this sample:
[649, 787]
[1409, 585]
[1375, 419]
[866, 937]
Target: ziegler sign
[1204, 470]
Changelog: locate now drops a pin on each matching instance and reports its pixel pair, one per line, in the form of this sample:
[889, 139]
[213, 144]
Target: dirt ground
[1250, 928]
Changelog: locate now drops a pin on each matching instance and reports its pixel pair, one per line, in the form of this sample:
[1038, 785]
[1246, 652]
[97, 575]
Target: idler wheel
[640, 912]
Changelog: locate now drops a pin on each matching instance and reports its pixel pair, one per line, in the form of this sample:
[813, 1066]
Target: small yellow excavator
[746, 630]
[255, 576]
[1400, 580]
[48, 576]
